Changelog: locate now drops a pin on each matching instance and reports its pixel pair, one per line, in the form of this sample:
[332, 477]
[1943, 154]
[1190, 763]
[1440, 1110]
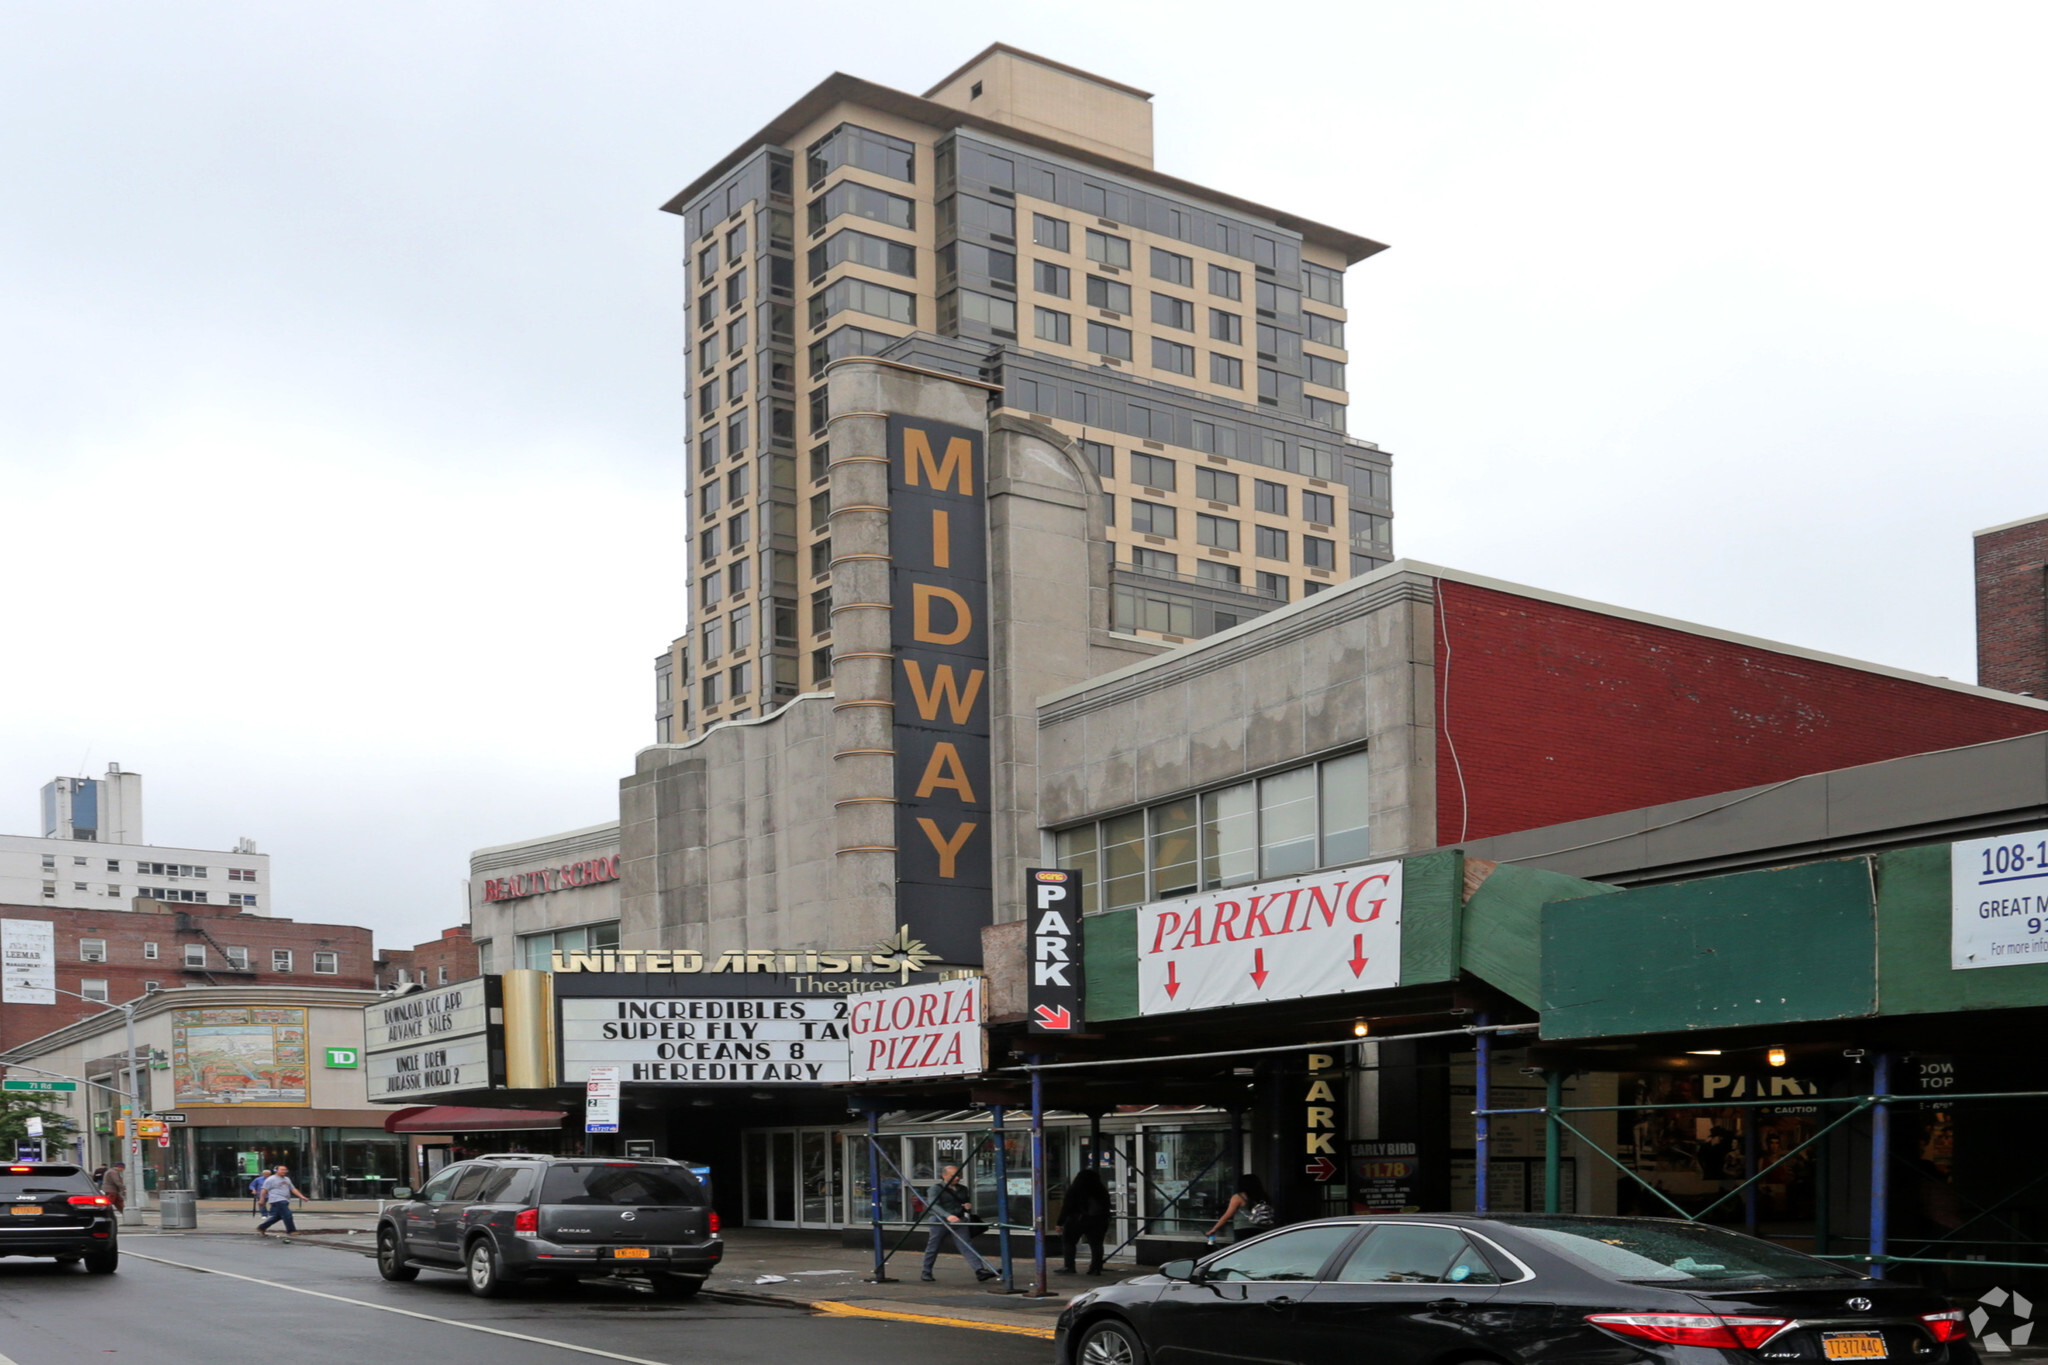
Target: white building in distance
[91, 855]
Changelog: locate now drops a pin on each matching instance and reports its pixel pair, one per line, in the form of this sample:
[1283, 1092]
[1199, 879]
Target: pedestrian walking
[1252, 1201]
[1084, 1217]
[946, 1208]
[277, 1197]
[256, 1193]
[114, 1185]
[99, 1173]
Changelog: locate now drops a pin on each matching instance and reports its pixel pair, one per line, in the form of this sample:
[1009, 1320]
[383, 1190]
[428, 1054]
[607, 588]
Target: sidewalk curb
[841, 1308]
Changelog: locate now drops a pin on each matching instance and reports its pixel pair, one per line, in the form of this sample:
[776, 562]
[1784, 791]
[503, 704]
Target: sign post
[1052, 999]
[601, 1100]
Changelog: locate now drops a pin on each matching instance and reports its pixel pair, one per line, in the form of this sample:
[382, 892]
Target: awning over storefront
[449, 1118]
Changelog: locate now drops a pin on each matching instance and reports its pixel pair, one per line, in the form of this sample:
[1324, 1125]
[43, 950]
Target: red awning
[450, 1118]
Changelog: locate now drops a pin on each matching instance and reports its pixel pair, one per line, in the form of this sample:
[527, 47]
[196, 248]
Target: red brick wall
[2012, 608]
[451, 957]
[1559, 714]
[172, 927]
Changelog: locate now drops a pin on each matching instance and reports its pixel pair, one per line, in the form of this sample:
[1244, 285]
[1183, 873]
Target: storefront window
[1173, 849]
[228, 1158]
[1287, 823]
[362, 1163]
[1192, 1179]
[1123, 860]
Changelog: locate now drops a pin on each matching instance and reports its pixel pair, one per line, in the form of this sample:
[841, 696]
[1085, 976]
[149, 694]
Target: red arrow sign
[1259, 967]
[1322, 1168]
[1048, 1017]
[1172, 980]
[1358, 957]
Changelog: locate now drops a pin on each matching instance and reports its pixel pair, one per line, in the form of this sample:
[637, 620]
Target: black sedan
[1519, 1289]
[53, 1209]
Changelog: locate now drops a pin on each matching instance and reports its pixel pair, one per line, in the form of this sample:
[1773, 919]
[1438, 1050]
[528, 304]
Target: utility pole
[131, 1105]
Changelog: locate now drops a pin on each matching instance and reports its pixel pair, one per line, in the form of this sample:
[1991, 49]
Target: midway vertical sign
[1052, 938]
[1322, 934]
[938, 550]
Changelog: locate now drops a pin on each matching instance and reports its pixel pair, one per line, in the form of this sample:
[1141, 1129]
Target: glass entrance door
[791, 1178]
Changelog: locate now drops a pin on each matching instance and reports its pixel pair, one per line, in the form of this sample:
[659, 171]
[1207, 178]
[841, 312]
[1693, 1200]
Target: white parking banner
[28, 962]
[1998, 901]
[1323, 934]
[705, 1040]
[925, 1030]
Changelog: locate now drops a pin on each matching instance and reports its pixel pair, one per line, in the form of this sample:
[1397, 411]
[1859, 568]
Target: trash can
[180, 1209]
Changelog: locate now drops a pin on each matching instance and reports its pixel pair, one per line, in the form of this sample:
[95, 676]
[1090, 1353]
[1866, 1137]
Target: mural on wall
[254, 1055]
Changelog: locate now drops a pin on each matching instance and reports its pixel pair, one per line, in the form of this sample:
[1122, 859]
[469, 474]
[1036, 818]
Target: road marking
[847, 1310]
[402, 1312]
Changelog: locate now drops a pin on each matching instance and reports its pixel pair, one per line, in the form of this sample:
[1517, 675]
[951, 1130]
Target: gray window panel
[1152, 518]
[1153, 471]
[850, 245]
[1221, 532]
[1110, 295]
[852, 145]
[1168, 311]
[1173, 849]
[1216, 485]
[862, 201]
[1110, 341]
[1109, 249]
[1173, 267]
[1048, 278]
[1076, 850]
[1287, 823]
[1123, 860]
[1056, 327]
[1230, 837]
[1050, 233]
[1346, 810]
[1172, 357]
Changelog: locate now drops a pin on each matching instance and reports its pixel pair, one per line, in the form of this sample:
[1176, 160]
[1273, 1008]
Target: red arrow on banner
[1322, 1168]
[1172, 981]
[1358, 957]
[1048, 1017]
[1259, 967]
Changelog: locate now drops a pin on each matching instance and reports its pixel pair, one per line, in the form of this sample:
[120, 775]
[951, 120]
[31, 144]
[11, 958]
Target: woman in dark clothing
[1084, 1216]
[1252, 1201]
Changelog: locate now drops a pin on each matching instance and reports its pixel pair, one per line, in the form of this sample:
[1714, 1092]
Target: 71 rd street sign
[38, 1085]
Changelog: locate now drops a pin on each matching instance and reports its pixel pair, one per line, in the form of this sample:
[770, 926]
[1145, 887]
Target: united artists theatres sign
[938, 550]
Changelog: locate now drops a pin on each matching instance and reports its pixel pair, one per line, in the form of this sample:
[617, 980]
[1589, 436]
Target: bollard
[180, 1209]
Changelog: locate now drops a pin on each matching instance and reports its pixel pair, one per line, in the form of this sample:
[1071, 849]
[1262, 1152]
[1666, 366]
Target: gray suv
[499, 1220]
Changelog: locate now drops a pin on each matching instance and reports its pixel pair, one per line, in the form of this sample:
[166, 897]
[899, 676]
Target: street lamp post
[131, 1101]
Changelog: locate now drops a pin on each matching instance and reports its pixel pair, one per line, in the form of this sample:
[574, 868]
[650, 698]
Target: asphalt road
[170, 1311]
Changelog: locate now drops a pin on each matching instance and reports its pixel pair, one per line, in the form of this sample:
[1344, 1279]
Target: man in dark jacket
[945, 1208]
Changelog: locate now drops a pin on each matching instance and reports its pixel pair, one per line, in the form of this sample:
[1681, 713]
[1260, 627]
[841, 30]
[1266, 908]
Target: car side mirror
[401, 1192]
[1183, 1271]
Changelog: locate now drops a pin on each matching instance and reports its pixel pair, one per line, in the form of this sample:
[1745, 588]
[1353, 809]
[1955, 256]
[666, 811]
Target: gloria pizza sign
[1322, 934]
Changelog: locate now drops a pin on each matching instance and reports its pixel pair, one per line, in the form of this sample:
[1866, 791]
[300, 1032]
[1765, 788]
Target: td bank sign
[938, 550]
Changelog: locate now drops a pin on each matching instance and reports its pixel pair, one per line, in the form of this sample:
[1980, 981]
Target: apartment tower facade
[1008, 226]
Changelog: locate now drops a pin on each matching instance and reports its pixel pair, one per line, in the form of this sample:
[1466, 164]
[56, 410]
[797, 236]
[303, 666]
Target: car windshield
[1630, 1249]
[616, 1182]
[44, 1180]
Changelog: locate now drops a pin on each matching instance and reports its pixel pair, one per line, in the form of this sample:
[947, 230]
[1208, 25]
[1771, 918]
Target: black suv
[48, 1209]
[498, 1220]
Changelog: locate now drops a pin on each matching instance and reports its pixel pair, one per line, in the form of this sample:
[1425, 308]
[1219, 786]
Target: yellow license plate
[26, 1210]
[1852, 1346]
[642, 1253]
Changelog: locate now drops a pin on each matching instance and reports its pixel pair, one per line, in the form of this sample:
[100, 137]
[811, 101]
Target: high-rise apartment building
[1008, 226]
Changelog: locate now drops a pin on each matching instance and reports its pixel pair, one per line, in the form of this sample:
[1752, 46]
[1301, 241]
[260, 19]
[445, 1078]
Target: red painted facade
[1556, 713]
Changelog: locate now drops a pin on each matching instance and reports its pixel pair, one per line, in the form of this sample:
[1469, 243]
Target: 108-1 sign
[1998, 908]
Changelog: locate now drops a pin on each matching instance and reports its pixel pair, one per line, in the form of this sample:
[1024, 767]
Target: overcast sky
[341, 406]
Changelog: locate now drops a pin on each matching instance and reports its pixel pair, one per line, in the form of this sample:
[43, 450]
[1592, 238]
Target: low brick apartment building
[119, 954]
[452, 957]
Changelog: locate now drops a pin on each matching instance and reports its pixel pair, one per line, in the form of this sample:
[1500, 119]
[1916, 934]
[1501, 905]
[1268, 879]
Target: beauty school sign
[1322, 934]
[938, 549]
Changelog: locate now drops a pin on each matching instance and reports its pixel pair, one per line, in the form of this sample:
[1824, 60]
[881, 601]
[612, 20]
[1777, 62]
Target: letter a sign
[1052, 940]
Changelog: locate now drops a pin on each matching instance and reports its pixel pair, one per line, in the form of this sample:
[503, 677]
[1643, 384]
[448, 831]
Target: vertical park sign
[938, 549]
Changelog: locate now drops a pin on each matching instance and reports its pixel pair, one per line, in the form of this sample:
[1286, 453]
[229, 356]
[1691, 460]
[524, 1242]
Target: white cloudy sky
[341, 409]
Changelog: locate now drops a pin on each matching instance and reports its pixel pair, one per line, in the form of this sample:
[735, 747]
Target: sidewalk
[782, 1267]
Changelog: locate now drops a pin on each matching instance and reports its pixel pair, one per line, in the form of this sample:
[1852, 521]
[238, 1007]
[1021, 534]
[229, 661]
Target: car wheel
[1110, 1343]
[671, 1286]
[487, 1278]
[391, 1259]
[103, 1262]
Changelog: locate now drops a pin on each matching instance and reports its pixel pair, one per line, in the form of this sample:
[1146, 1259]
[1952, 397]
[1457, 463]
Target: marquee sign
[1322, 934]
[665, 1029]
[938, 549]
[901, 956]
[435, 1042]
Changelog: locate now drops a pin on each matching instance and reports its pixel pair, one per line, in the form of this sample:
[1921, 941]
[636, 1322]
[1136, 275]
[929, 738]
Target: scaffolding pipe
[881, 1275]
[1037, 1180]
[995, 1123]
[1749, 1174]
[1880, 1161]
[1482, 1122]
[1468, 1031]
[1553, 1173]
